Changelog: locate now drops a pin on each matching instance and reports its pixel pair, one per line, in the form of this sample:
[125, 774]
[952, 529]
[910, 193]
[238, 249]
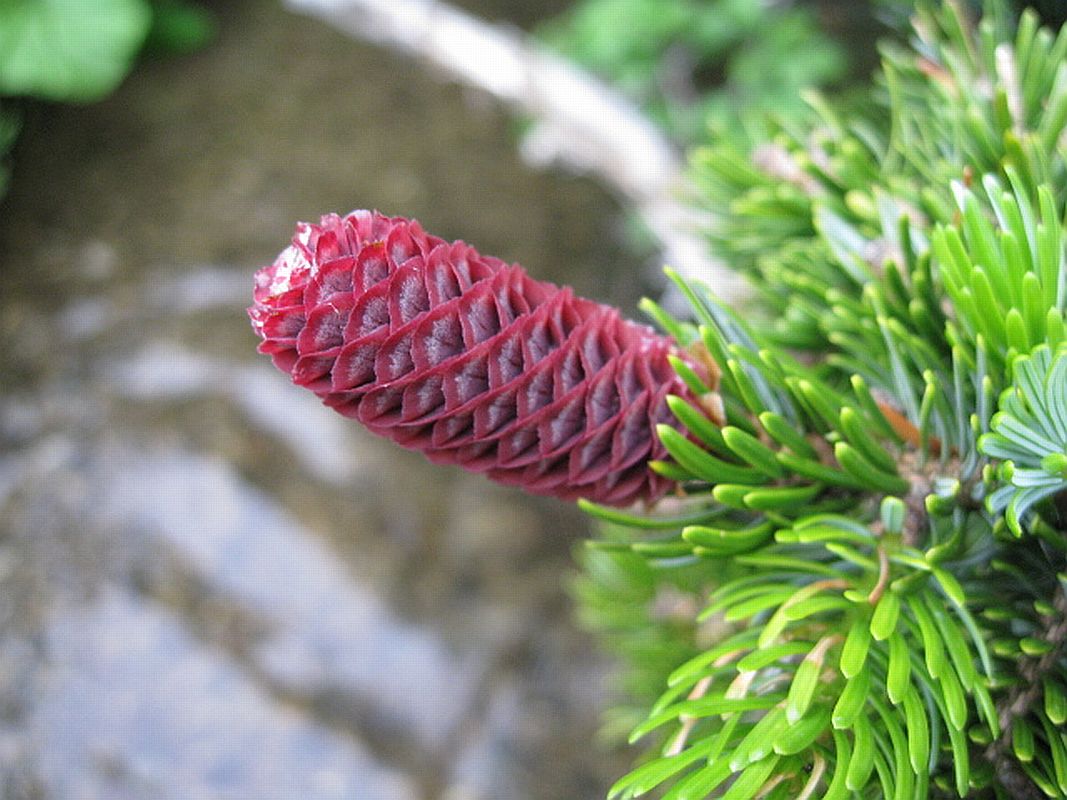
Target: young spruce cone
[468, 359]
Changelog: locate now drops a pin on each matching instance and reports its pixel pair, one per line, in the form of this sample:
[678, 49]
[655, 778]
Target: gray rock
[131, 706]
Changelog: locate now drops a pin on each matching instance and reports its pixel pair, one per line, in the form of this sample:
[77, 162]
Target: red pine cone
[468, 359]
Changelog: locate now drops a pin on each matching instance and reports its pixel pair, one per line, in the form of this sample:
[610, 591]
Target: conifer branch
[859, 590]
[1022, 697]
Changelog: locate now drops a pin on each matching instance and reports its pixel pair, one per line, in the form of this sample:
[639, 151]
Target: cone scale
[469, 360]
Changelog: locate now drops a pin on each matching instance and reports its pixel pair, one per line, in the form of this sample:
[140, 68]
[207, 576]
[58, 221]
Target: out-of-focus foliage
[688, 62]
[876, 542]
[78, 51]
[179, 27]
[9, 126]
[1053, 12]
[645, 613]
[73, 50]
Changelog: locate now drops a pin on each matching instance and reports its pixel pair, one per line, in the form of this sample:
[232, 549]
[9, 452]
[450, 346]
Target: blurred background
[210, 585]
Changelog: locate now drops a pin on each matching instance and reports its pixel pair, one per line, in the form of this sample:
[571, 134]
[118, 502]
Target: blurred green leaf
[74, 50]
[180, 27]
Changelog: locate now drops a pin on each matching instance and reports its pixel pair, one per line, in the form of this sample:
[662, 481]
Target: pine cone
[468, 359]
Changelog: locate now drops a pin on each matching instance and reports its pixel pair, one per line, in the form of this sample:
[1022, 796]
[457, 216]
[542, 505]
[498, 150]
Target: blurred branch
[579, 120]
